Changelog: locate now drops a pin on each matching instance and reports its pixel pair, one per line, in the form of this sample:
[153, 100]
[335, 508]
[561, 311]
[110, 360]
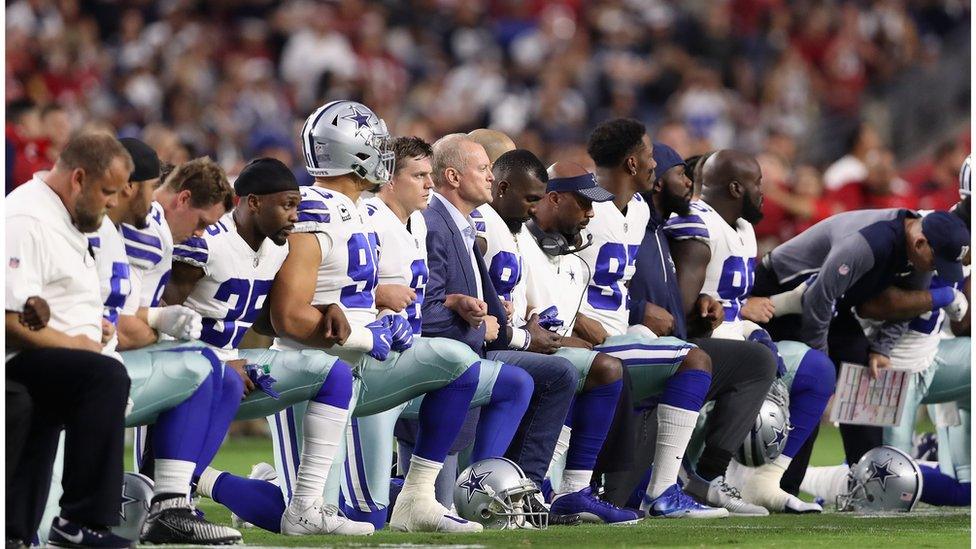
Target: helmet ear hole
[362, 156]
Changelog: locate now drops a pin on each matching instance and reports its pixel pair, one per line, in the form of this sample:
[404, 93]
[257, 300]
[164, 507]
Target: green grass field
[927, 527]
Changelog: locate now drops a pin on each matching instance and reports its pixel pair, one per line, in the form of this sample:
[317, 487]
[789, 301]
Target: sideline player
[517, 187]
[332, 259]
[225, 275]
[714, 250]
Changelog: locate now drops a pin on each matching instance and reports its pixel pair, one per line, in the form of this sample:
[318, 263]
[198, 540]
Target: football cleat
[590, 508]
[537, 505]
[65, 533]
[319, 518]
[416, 513]
[674, 503]
[719, 493]
[175, 521]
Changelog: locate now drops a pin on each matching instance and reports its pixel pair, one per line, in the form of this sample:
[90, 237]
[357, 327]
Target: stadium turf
[927, 527]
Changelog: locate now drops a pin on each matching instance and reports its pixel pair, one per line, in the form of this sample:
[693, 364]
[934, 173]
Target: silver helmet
[344, 137]
[137, 493]
[767, 438]
[884, 479]
[495, 493]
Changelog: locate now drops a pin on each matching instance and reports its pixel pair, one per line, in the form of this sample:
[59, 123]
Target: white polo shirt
[48, 257]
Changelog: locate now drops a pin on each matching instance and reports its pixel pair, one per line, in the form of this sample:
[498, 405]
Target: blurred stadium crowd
[815, 88]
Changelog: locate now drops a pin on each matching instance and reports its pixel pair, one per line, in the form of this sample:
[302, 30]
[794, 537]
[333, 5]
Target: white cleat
[719, 493]
[319, 518]
[260, 471]
[416, 513]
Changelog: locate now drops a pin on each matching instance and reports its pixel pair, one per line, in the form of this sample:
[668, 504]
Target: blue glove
[261, 377]
[400, 331]
[382, 338]
[549, 319]
[762, 336]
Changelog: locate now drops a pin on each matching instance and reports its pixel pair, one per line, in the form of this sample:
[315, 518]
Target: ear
[502, 187]
[78, 179]
[920, 242]
[183, 197]
[253, 202]
[453, 177]
[630, 163]
[736, 189]
[129, 190]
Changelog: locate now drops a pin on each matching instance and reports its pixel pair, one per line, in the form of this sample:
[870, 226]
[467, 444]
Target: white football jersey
[48, 257]
[235, 284]
[150, 253]
[503, 260]
[611, 259]
[113, 273]
[404, 257]
[731, 272]
[558, 281]
[348, 273]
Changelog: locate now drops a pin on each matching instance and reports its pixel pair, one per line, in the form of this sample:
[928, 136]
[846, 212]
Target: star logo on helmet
[359, 117]
[126, 500]
[780, 436]
[880, 472]
[475, 483]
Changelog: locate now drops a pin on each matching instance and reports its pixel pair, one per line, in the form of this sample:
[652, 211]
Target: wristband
[942, 297]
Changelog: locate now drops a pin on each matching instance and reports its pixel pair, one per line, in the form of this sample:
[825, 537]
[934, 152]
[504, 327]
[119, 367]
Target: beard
[675, 204]
[514, 225]
[88, 222]
[750, 212]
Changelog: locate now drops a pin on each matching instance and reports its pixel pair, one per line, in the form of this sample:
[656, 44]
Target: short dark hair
[206, 181]
[405, 147]
[94, 153]
[17, 109]
[612, 141]
[519, 161]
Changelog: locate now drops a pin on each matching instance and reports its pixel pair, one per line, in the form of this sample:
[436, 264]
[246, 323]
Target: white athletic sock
[825, 482]
[674, 429]
[172, 476]
[208, 479]
[421, 477]
[323, 426]
[574, 480]
[558, 462]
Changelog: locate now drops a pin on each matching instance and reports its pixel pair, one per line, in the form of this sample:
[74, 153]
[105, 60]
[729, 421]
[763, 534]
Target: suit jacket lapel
[459, 247]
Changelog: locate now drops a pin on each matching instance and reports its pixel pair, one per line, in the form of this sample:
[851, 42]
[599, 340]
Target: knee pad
[458, 356]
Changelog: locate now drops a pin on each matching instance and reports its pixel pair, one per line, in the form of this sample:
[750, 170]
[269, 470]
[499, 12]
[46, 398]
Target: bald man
[714, 250]
[495, 142]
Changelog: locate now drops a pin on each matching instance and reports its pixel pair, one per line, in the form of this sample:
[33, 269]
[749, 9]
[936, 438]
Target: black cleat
[65, 533]
[174, 521]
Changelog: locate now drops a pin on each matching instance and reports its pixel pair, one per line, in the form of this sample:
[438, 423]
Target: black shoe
[174, 521]
[65, 533]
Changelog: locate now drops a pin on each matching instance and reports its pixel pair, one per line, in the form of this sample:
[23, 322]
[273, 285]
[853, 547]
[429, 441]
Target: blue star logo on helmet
[359, 117]
[780, 435]
[475, 483]
[880, 472]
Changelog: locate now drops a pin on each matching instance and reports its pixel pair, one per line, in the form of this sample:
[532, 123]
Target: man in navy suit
[461, 303]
